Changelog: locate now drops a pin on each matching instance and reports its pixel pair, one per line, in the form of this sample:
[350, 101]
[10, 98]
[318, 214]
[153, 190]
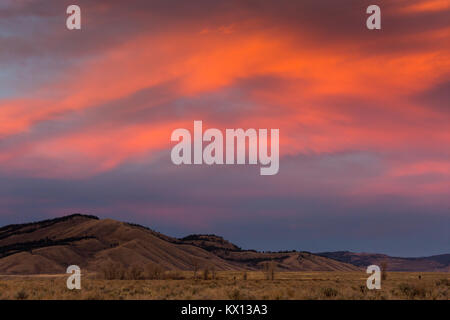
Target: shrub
[21, 295]
[134, 273]
[363, 289]
[384, 270]
[195, 266]
[110, 271]
[443, 282]
[329, 292]
[206, 274]
[174, 275]
[235, 294]
[154, 271]
[269, 270]
[413, 291]
[116, 271]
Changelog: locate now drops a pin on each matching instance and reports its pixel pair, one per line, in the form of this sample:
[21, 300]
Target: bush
[235, 295]
[174, 275]
[134, 273]
[443, 282]
[21, 295]
[154, 271]
[206, 274]
[384, 270]
[269, 270]
[329, 292]
[116, 271]
[111, 271]
[412, 291]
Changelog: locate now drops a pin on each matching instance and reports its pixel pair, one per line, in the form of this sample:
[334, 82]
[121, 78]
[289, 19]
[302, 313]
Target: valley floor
[234, 286]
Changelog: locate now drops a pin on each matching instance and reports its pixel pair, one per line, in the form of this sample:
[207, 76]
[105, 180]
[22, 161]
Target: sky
[86, 118]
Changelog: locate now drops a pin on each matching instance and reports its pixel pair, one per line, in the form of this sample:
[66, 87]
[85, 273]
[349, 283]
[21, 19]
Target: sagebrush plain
[233, 286]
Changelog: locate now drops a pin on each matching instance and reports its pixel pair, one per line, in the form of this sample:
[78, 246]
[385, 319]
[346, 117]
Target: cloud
[361, 114]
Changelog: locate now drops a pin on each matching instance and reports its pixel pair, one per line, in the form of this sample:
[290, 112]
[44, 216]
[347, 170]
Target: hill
[49, 246]
[438, 263]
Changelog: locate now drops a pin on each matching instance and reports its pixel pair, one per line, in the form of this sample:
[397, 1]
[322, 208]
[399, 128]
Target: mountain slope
[286, 261]
[438, 263]
[50, 246]
[91, 243]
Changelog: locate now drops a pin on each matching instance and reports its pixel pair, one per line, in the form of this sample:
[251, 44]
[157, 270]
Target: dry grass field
[234, 286]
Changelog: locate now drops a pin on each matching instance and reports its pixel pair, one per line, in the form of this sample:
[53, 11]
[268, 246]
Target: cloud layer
[86, 118]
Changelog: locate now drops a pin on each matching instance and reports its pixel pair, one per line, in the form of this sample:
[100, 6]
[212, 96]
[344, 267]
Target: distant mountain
[50, 246]
[438, 263]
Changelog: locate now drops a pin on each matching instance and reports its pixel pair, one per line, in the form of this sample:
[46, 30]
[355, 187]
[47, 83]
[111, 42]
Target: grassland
[234, 286]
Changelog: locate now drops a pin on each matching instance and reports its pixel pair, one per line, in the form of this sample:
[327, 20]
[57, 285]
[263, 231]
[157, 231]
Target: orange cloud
[427, 5]
[213, 60]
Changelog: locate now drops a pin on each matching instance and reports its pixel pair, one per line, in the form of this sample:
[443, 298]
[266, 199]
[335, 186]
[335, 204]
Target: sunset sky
[364, 118]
